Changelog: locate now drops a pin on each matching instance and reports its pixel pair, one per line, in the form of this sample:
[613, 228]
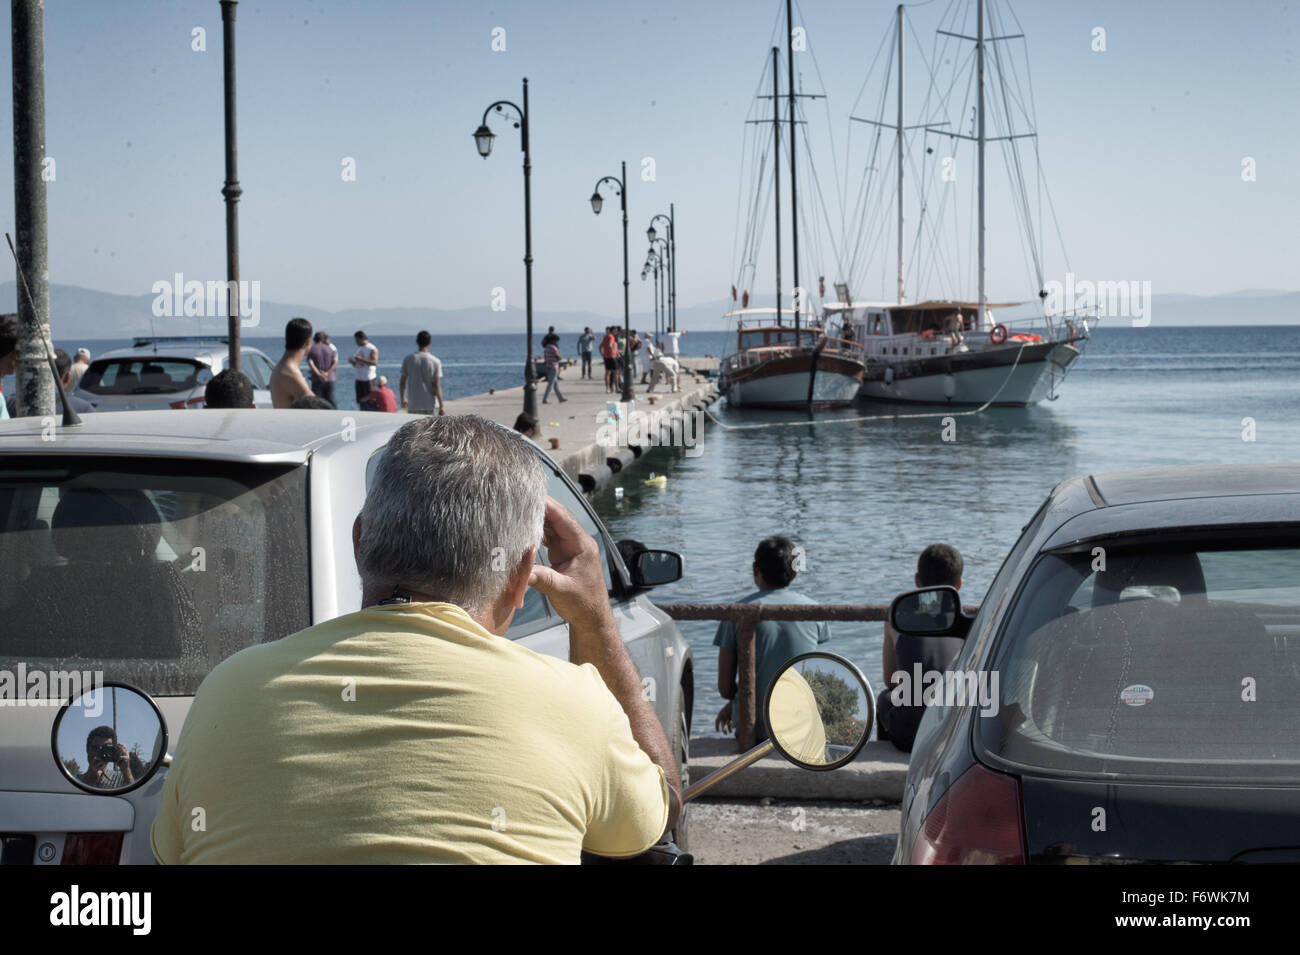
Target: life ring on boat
[999, 334]
[928, 333]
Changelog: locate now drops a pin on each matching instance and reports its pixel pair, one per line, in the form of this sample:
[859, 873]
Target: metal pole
[627, 315]
[776, 168]
[665, 314]
[657, 303]
[672, 264]
[231, 189]
[530, 378]
[745, 710]
[900, 154]
[794, 203]
[979, 46]
[34, 386]
[657, 284]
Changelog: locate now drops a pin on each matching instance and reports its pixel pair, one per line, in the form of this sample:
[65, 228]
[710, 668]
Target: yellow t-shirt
[405, 733]
[796, 719]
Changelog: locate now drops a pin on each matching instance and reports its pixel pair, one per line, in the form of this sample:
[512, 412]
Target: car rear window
[150, 572]
[142, 376]
[1174, 661]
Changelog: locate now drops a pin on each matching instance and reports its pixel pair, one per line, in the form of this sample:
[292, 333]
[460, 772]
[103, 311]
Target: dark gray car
[1142, 642]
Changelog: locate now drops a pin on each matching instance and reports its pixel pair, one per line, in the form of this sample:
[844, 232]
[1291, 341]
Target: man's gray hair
[455, 504]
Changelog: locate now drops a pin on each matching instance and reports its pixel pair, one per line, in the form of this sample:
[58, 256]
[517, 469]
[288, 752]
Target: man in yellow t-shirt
[412, 731]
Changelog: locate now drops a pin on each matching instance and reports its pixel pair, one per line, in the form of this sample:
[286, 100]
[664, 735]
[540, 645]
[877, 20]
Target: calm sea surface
[864, 497]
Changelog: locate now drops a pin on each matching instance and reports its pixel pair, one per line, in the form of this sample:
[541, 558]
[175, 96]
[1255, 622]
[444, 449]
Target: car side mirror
[931, 611]
[819, 710]
[109, 740]
[653, 568]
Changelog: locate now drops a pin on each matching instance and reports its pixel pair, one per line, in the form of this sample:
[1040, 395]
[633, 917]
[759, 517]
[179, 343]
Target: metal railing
[746, 617]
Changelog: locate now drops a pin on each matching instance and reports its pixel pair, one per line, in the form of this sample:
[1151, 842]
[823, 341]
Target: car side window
[267, 368]
[249, 366]
[559, 489]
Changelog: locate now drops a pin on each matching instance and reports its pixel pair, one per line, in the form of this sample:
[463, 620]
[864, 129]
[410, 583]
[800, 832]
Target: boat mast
[979, 47]
[794, 204]
[776, 168]
[900, 154]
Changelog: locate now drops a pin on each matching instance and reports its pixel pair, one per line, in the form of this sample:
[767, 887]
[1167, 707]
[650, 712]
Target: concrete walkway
[595, 436]
[878, 773]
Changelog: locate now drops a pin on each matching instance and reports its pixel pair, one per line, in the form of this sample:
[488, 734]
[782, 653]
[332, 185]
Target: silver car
[168, 372]
[149, 546]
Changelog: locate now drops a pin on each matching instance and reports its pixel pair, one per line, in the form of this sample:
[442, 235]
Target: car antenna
[70, 417]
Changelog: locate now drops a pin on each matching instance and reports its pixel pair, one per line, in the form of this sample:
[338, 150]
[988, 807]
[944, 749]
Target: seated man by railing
[776, 641]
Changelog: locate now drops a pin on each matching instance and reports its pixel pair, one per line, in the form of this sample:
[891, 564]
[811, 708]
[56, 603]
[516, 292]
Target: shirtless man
[287, 382]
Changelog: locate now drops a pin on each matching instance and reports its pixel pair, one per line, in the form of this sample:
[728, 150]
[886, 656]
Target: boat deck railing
[746, 617]
[760, 353]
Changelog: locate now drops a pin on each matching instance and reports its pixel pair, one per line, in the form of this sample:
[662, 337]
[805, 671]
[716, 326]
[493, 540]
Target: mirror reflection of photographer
[103, 750]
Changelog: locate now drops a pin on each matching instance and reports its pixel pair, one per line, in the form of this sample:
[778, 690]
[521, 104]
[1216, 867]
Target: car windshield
[150, 572]
[142, 376]
[1162, 662]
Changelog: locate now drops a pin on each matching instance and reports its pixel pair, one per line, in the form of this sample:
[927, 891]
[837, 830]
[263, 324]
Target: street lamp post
[652, 262]
[596, 202]
[483, 137]
[661, 251]
[671, 277]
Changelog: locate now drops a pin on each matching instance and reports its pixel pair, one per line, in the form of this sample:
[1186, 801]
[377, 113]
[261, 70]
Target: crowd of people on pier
[419, 389]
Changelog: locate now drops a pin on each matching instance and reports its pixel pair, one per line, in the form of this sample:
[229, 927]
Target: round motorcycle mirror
[819, 711]
[110, 739]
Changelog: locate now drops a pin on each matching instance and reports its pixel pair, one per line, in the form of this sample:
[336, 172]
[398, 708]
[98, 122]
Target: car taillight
[198, 402]
[92, 848]
[976, 822]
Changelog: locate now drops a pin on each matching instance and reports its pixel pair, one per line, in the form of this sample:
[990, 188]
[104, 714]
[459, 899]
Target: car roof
[1171, 499]
[254, 434]
[1179, 483]
[208, 351]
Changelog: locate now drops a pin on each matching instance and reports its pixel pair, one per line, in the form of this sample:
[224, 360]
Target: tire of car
[681, 743]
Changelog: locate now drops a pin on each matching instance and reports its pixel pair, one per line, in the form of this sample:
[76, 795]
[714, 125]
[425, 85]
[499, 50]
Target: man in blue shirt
[775, 641]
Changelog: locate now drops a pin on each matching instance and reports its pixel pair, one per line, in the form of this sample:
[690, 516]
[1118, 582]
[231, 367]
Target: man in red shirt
[381, 398]
[609, 352]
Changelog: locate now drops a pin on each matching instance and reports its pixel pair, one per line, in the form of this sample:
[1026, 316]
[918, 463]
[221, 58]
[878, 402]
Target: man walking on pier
[609, 352]
[423, 372]
[552, 372]
[585, 346]
[776, 642]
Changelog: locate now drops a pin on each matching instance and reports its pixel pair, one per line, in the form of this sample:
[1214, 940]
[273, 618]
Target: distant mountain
[85, 313]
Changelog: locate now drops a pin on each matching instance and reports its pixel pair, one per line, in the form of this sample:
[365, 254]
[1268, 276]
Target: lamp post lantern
[596, 202]
[483, 139]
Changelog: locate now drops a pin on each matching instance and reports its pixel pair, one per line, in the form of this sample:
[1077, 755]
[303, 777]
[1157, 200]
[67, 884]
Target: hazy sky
[1142, 144]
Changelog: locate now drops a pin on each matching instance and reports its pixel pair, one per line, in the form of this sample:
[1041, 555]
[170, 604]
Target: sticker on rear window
[1139, 694]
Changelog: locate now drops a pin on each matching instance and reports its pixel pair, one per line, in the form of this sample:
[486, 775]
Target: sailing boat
[778, 365]
[958, 352]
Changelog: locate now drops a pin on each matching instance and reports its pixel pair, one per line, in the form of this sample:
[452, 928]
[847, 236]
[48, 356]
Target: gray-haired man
[411, 731]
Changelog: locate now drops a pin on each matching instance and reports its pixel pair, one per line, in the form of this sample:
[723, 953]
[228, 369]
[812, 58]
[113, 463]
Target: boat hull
[783, 383]
[997, 376]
